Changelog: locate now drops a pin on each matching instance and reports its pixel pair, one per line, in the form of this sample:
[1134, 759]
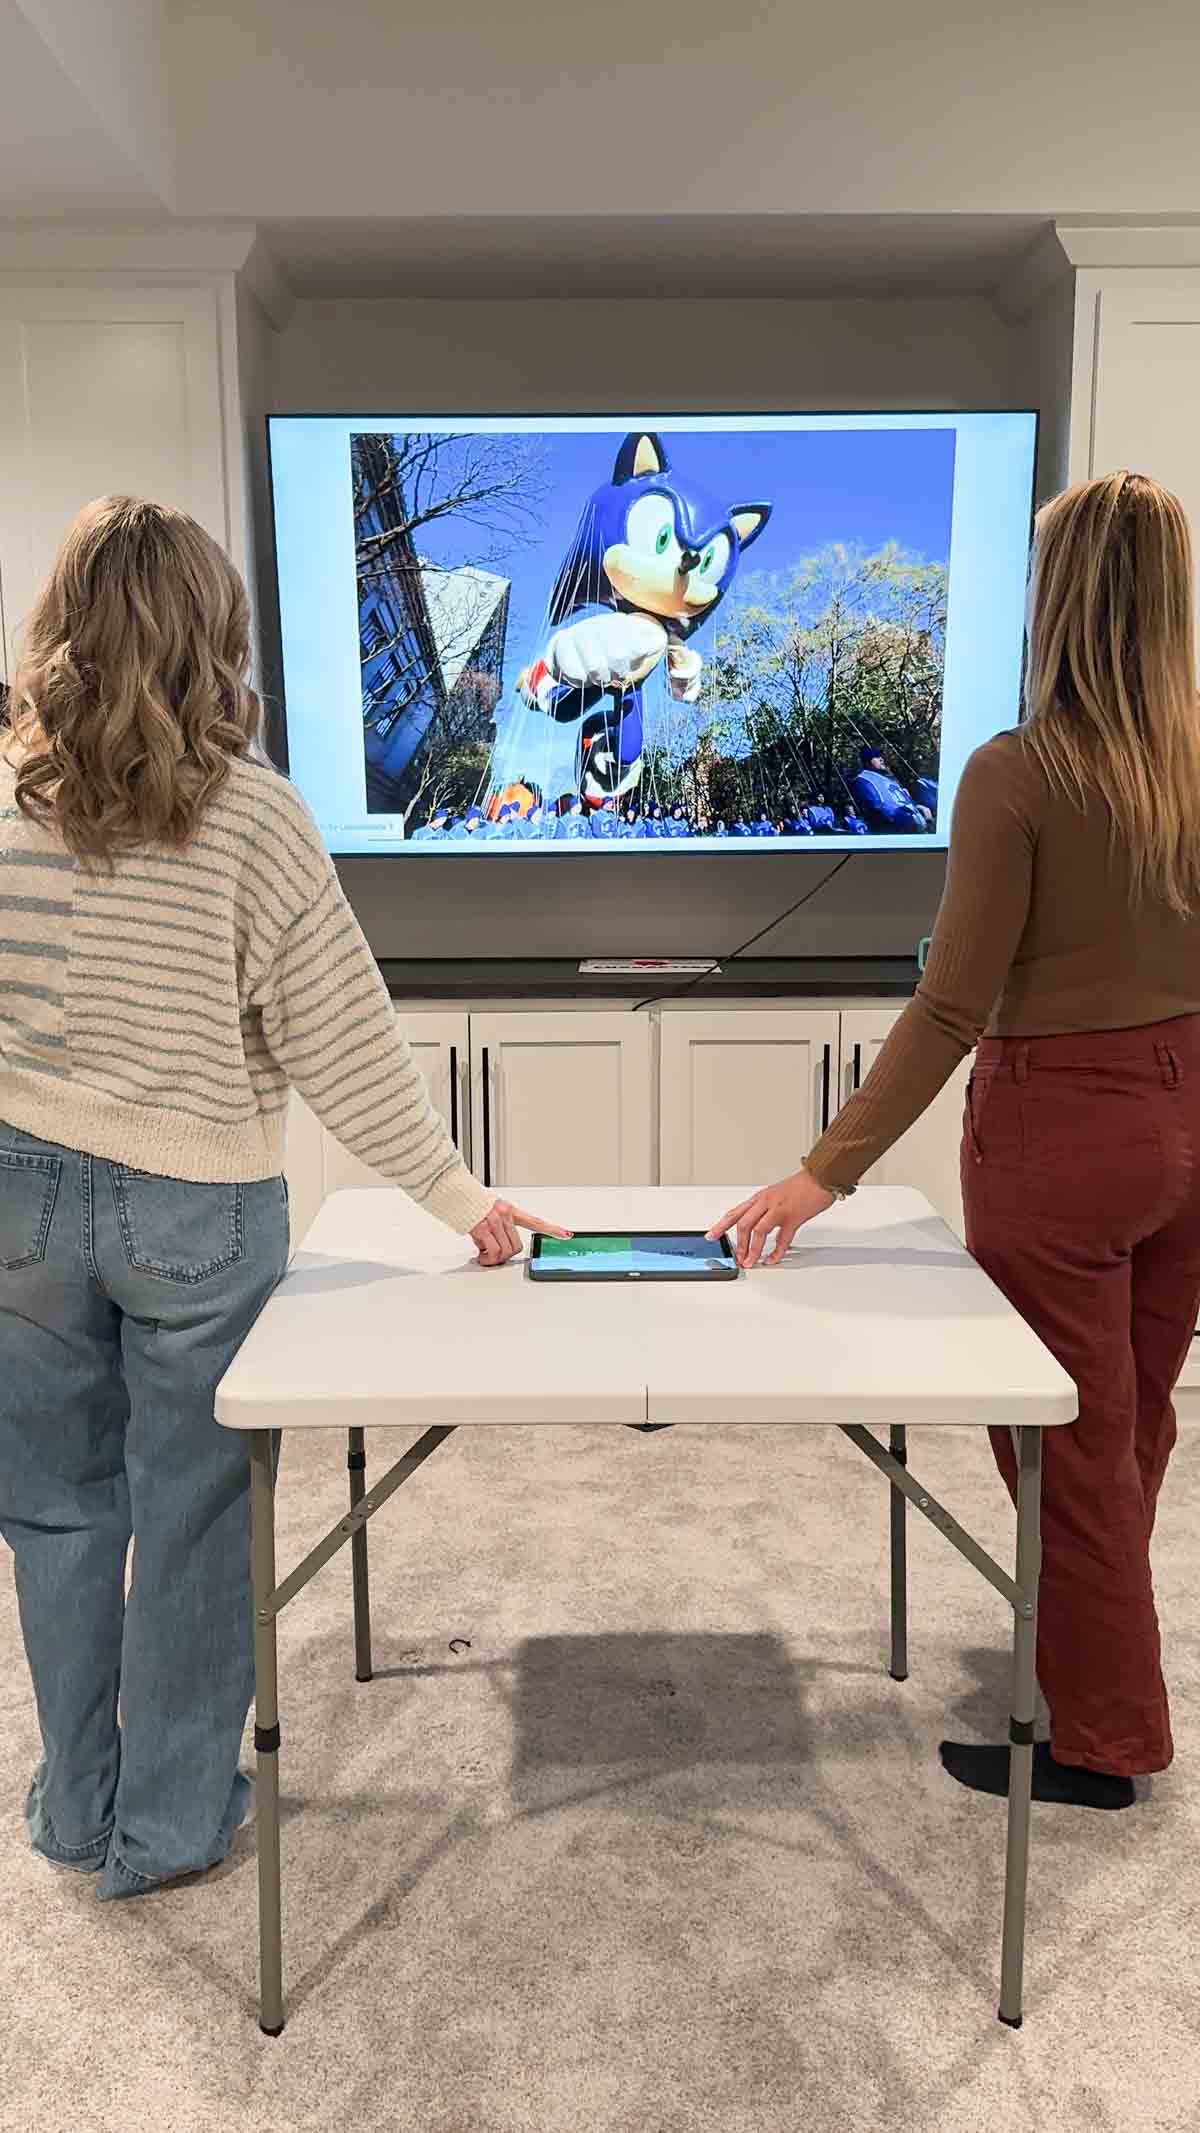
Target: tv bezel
[750, 848]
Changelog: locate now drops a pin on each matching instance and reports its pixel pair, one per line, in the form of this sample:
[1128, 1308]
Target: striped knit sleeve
[989, 883]
[329, 1023]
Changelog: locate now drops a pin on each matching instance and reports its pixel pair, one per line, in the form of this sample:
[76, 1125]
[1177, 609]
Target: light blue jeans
[123, 1299]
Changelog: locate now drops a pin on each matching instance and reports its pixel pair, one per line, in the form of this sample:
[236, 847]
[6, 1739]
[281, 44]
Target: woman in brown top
[1070, 930]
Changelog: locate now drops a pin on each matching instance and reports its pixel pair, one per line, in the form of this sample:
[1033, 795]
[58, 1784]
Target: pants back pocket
[176, 1230]
[28, 1190]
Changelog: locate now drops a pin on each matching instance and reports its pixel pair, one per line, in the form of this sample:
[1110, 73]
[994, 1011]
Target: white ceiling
[58, 157]
[290, 109]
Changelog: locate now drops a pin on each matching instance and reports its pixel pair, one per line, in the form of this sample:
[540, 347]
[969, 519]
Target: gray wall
[435, 356]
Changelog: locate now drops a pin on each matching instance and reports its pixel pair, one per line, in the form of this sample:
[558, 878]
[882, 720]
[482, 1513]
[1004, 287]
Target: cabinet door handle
[487, 1119]
[858, 1066]
[454, 1094]
[826, 1061]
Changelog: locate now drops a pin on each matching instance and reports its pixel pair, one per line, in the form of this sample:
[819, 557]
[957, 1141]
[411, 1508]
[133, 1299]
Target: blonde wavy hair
[130, 696]
[1110, 678]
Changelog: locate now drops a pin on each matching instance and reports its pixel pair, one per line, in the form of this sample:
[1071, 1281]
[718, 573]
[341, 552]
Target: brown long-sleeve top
[1037, 935]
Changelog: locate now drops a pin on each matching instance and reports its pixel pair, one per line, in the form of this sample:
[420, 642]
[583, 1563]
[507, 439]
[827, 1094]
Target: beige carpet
[632, 1833]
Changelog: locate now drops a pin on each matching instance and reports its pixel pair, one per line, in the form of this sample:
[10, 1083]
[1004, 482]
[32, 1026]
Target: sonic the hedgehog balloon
[653, 556]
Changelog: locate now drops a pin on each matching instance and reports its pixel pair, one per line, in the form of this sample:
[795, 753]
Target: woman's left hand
[785, 1207]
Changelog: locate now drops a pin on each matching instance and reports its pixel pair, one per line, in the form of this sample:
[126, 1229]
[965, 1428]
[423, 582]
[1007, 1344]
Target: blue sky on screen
[858, 486]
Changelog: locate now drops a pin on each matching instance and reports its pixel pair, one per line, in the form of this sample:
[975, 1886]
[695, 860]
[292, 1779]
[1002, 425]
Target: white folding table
[385, 1317]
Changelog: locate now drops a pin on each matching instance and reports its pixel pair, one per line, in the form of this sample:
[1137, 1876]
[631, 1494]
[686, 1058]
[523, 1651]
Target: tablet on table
[633, 1255]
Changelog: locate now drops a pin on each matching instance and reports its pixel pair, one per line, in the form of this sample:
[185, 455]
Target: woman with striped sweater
[175, 950]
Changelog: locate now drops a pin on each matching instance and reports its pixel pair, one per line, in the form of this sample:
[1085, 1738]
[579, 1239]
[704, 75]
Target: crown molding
[261, 274]
[164, 251]
[1169, 243]
[1042, 268]
[1066, 248]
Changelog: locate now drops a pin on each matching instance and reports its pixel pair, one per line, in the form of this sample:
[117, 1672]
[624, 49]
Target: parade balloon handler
[603, 822]
[468, 825]
[885, 802]
[571, 825]
[438, 822]
[820, 816]
[507, 826]
[1069, 932]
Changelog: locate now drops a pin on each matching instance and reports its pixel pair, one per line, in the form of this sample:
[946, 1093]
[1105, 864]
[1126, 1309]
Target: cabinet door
[1139, 380]
[105, 388]
[562, 1099]
[743, 1092]
[440, 1045]
[927, 1155]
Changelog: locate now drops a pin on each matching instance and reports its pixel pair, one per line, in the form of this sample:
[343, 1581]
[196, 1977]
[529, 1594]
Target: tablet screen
[676, 1255]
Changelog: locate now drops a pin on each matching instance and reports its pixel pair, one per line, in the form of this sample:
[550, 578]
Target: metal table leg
[357, 1464]
[266, 1734]
[1024, 1692]
[898, 1446]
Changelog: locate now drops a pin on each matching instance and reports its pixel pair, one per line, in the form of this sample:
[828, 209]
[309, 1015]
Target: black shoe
[985, 1769]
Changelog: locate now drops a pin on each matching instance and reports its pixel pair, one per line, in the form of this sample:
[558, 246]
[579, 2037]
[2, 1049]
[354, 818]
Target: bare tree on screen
[492, 483]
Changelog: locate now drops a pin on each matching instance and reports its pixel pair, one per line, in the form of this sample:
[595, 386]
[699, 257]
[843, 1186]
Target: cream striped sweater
[155, 1014]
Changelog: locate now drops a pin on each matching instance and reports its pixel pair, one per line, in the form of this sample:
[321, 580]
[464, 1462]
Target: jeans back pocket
[28, 1190]
[177, 1230]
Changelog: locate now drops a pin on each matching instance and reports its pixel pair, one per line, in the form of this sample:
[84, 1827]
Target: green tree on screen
[843, 649]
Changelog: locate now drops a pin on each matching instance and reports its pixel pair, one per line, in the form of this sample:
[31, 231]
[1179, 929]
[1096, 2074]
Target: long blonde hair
[1110, 681]
[130, 696]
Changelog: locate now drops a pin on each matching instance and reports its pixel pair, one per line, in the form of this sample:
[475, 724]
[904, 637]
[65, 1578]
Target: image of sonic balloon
[653, 557]
[564, 639]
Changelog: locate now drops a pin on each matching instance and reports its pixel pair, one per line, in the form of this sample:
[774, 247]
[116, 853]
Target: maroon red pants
[1081, 1187]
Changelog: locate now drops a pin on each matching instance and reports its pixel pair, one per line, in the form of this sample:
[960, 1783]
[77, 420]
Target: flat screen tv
[665, 632]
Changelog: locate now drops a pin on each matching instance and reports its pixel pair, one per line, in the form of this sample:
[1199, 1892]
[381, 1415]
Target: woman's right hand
[496, 1238]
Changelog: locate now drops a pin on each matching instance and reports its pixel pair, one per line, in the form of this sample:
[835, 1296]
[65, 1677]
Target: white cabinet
[316, 1164]
[565, 1097]
[719, 1096]
[744, 1092]
[104, 388]
[1134, 392]
[927, 1155]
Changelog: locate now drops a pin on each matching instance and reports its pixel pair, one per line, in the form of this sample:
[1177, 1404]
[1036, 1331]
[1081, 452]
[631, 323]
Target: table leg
[357, 1464]
[266, 1734]
[898, 1446]
[1024, 1692]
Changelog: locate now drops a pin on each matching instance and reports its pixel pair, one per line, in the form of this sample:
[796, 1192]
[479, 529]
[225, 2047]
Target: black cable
[720, 963]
